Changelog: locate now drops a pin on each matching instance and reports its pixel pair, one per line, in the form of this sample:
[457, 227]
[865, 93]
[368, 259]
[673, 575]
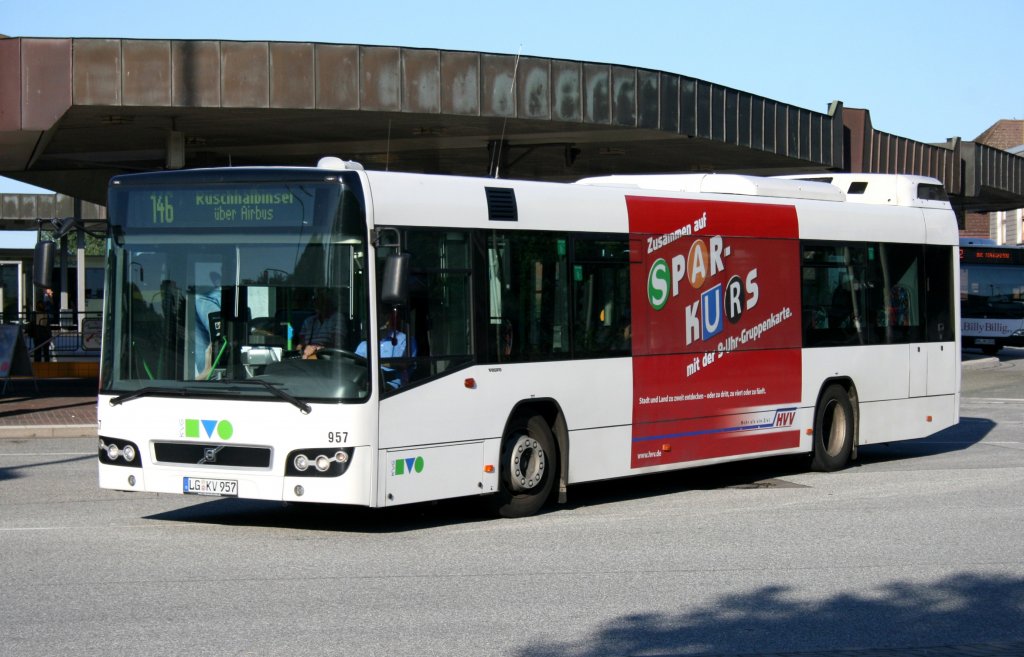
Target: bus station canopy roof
[74, 112]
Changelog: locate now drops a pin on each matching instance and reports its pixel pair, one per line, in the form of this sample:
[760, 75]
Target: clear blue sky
[927, 70]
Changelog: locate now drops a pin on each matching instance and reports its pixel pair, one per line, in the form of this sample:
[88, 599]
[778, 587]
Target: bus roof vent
[501, 204]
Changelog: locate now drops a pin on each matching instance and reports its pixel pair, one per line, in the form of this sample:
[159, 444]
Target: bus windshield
[992, 292]
[212, 285]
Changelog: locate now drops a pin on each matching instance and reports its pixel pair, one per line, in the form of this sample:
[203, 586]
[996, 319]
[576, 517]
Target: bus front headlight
[115, 451]
[318, 462]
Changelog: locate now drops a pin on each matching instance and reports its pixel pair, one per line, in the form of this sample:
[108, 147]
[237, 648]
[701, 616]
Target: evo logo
[208, 429]
[407, 466]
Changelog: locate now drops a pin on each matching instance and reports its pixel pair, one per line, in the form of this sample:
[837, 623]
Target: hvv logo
[785, 417]
[208, 429]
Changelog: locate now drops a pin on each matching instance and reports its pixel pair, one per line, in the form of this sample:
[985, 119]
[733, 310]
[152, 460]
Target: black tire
[529, 467]
[833, 431]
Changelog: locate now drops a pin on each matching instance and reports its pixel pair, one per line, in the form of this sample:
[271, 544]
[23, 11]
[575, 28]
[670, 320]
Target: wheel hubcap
[527, 464]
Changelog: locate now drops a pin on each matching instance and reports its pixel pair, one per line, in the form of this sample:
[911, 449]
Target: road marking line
[47, 454]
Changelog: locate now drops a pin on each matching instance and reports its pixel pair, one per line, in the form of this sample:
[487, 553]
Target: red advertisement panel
[716, 328]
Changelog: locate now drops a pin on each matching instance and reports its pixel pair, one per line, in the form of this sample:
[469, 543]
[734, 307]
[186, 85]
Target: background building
[1003, 226]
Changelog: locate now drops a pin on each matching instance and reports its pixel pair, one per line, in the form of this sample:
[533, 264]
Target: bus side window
[875, 293]
[834, 294]
[438, 316]
[528, 297]
[900, 283]
[601, 322]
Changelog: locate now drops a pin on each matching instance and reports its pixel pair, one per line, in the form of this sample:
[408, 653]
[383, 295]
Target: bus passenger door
[933, 356]
[919, 369]
[932, 369]
[942, 363]
[942, 352]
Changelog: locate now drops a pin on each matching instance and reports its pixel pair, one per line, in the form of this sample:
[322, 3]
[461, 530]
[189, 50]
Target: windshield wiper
[145, 392]
[277, 392]
[182, 392]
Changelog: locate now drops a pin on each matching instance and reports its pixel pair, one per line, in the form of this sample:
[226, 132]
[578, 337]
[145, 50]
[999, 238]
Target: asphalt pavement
[67, 407]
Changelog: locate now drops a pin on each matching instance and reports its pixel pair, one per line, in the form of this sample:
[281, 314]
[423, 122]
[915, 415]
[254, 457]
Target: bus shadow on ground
[761, 473]
[970, 431]
[772, 472]
[330, 517]
[765, 473]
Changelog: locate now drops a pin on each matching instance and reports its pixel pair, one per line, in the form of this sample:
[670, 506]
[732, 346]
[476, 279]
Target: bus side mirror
[42, 263]
[394, 290]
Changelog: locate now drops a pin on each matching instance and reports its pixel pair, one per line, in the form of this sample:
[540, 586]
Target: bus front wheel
[529, 466]
[833, 430]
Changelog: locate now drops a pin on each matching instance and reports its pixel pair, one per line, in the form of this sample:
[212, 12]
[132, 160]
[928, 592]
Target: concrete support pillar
[80, 276]
[79, 264]
[63, 301]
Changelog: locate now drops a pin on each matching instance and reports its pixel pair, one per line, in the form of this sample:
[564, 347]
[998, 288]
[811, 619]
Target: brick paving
[64, 407]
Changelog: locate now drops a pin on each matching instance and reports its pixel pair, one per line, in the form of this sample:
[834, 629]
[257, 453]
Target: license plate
[216, 487]
[984, 341]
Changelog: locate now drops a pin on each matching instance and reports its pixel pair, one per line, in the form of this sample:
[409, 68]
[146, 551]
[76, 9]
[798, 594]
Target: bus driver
[325, 328]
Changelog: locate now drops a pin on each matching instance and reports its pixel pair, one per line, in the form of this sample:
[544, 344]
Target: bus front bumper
[352, 486]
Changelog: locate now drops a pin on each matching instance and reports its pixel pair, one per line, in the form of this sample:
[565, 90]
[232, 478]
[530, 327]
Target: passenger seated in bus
[394, 345]
[840, 312]
[325, 328]
[625, 344]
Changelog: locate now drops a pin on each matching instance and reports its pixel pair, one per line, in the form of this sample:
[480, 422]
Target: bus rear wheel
[529, 466]
[833, 430]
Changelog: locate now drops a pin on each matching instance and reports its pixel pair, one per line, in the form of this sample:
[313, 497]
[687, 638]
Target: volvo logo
[210, 455]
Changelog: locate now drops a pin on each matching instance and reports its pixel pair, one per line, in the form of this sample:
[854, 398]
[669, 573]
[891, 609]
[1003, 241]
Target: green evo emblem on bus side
[208, 429]
[407, 466]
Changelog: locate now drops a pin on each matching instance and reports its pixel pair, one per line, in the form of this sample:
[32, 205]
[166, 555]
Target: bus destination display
[992, 255]
[221, 208]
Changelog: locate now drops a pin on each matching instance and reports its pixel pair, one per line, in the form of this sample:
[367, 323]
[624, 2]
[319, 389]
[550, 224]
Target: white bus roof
[885, 189]
[723, 183]
[867, 188]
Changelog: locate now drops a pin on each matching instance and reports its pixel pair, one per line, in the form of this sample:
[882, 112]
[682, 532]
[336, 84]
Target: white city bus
[527, 336]
[991, 296]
